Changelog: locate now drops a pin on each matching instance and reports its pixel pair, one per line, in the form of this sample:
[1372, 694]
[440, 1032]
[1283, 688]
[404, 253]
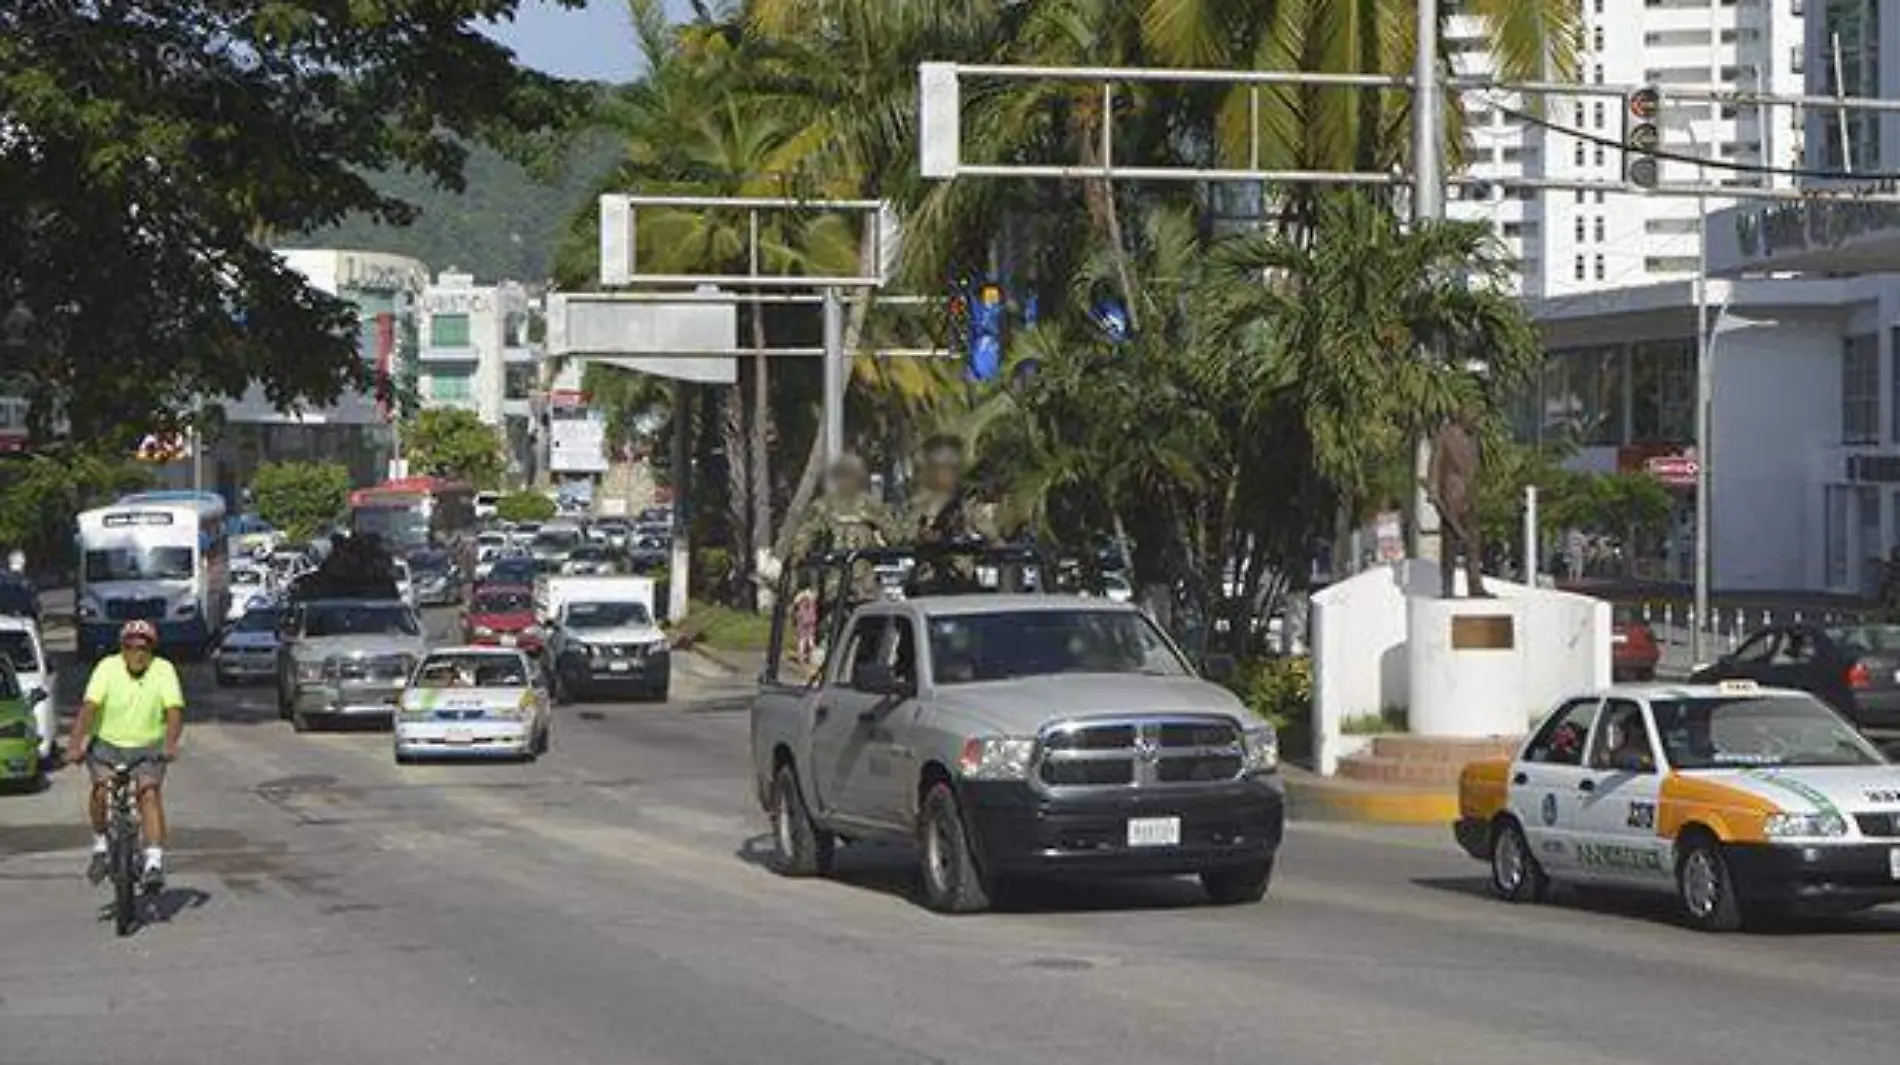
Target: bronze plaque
[1482, 632]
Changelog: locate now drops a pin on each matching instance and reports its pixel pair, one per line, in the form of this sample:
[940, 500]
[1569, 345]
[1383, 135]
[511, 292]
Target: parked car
[1634, 651]
[25, 651]
[247, 652]
[474, 701]
[18, 597]
[503, 616]
[1853, 668]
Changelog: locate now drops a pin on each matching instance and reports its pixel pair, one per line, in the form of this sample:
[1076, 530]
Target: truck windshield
[359, 619]
[139, 564]
[1757, 731]
[972, 648]
[606, 615]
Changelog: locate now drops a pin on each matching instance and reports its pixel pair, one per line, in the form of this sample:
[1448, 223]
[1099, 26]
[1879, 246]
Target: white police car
[1735, 798]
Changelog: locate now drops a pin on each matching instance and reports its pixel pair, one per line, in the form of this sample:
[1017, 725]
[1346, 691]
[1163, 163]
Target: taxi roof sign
[1737, 687]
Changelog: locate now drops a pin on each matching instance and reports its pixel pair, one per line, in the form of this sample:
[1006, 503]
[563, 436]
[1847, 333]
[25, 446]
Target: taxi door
[1546, 783]
[1616, 838]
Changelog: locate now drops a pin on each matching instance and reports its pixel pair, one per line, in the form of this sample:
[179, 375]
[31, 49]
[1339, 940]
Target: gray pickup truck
[1014, 736]
[346, 658]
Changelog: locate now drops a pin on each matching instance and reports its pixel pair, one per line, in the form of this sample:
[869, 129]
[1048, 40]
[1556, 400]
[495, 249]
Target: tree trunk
[815, 458]
[760, 472]
[1100, 197]
[732, 440]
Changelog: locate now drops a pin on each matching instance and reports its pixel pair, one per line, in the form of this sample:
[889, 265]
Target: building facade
[476, 355]
[1566, 242]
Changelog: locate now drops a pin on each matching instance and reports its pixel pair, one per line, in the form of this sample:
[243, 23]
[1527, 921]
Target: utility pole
[1428, 205]
[836, 377]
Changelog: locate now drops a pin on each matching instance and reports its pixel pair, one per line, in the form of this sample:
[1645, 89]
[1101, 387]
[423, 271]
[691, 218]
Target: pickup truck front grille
[1141, 752]
[371, 669]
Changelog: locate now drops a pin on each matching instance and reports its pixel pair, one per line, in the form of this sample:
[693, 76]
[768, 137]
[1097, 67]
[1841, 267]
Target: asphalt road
[606, 906]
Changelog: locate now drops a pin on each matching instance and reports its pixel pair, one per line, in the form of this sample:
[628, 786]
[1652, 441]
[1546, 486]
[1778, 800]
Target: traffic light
[1642, 137]
[989, 314]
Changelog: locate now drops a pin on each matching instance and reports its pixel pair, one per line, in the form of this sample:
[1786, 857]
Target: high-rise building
[1845, 39]
[476, 354]
[1568, 242]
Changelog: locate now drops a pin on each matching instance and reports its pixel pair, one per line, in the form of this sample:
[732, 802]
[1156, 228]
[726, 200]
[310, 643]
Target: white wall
[1360, 661]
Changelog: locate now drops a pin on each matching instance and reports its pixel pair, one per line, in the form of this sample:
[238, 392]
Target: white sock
[99, 843]
[154, 857]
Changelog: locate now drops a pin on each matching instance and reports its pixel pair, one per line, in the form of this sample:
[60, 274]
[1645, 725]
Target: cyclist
[133, 714]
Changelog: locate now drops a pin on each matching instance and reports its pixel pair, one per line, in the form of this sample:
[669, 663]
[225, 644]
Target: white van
[158, 557]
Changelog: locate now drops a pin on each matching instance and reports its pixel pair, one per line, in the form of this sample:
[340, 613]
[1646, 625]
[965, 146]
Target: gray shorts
[148, 767]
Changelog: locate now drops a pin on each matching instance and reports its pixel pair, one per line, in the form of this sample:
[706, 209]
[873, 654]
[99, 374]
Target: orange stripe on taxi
[1734, 814]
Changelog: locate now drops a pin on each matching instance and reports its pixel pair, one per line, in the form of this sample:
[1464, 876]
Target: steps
[1422, 761]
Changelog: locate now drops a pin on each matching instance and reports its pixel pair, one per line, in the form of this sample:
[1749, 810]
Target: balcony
[438, 353]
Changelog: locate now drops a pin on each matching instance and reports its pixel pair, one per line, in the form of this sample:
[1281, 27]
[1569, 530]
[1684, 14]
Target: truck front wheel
[799, 846]
[953, 878]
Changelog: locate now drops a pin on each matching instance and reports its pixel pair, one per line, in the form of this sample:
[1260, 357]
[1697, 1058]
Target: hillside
[503, 227]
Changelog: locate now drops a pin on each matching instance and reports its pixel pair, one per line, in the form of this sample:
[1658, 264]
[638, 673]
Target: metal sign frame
[619, 245]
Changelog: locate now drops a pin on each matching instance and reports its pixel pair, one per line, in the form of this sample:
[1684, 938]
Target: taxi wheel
[1706, 888]
[1515, 874]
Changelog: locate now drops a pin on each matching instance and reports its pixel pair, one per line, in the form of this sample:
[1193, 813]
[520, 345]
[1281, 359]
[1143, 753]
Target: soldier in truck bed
[940, 511]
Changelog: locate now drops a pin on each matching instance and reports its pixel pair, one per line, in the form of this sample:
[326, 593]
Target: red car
[1633, 650]
[502, 615]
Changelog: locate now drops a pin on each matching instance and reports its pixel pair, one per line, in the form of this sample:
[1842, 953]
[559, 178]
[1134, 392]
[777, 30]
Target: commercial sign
[456, 303]
[577, 442]
[380, 273]
[1807, 225]
[1676, 471]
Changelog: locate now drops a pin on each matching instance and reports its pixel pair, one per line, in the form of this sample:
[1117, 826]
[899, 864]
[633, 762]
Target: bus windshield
[397, 526]
[139, 564]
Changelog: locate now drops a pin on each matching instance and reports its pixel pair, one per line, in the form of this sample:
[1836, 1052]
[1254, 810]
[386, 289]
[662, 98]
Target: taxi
[471, 702]
[1736, 799]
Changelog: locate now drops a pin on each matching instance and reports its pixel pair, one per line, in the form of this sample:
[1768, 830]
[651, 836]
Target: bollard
[1669, 622]
[1766, 618]
[1646, 612]
[1797, 617]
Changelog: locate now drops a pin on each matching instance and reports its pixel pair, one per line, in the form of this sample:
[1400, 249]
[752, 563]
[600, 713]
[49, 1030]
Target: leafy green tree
[40, 494]
[525, 506]
[153, 146]
[454, 443]
[300, 498]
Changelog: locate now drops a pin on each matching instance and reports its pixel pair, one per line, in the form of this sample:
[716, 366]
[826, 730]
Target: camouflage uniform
[845, 519]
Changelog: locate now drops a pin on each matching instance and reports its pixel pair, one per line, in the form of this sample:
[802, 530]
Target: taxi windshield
[1758, 731]
[472, 671]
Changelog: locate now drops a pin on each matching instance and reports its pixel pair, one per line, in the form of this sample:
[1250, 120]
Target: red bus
[416, 512]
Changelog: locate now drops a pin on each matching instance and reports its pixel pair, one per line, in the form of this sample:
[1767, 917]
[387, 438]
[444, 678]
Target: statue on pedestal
[1451, 484]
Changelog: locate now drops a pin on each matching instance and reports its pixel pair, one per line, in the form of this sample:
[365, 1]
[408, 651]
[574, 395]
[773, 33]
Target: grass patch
[1391, 719]
[723, 627]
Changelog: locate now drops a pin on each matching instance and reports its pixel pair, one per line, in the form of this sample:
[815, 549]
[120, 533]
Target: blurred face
[137, 653]
[942, 470]
[847, 482]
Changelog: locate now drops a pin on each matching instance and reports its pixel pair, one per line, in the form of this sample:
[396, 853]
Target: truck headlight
[1262, 749]
[89, 609]
[1804, 826]
[996, 757]
[483, 631]
[309, 672]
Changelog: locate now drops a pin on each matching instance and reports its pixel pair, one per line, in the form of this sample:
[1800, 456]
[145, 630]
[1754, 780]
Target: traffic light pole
[837, 374]
[1428, 205]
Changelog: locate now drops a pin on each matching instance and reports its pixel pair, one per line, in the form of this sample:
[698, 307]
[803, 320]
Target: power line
[1886, 176]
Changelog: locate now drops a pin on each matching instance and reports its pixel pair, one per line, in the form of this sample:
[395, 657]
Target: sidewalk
[714, 663]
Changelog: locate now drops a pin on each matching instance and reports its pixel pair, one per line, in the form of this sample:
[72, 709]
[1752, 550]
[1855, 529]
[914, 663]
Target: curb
[1311, 798]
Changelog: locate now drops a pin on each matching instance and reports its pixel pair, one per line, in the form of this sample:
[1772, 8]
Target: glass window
[904, 651]
[448, 331]
[1835, 519]
[1662, 392]
[862, 649]
[17, 648]
[492, 602]
[1622, 740]
[520, 381]
[473, 671]
[358, 619]
[606, 615]
[1759, 649]
[451, 386]
[139, 564]
[1596, 382]
[970, 648]
[1860, 389]
[1560, 740]
[1765, 730]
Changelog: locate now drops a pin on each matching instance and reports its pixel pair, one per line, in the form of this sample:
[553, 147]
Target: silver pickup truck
[1013, 736]
[346, 658]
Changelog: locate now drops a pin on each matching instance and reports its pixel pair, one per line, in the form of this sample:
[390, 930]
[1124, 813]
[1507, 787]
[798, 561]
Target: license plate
[1893, 862]
[620, 667]
[1154, 831]
[459, 736]
[1619, 638]
[508, 639]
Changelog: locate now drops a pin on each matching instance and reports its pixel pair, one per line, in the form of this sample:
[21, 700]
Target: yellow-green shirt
[132, 709]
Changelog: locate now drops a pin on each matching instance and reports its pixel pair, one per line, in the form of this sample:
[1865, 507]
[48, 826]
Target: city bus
[417, 512]
[157, 556]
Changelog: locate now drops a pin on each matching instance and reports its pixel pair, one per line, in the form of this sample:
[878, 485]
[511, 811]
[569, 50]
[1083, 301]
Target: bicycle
[122, 846]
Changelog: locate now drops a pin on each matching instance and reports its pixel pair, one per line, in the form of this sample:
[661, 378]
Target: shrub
[525, 506]
[1280, 690]
[712, 572]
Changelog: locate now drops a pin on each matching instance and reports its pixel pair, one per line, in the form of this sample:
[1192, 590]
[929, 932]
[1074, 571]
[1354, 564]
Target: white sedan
[474, 702]
[251, 586]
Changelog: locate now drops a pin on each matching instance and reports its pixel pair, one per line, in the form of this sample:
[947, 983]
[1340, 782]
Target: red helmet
[140, 631]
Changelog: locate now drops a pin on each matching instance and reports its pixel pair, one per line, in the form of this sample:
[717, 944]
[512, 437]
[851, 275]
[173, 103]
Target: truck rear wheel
[953, 879]
[799, 846]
